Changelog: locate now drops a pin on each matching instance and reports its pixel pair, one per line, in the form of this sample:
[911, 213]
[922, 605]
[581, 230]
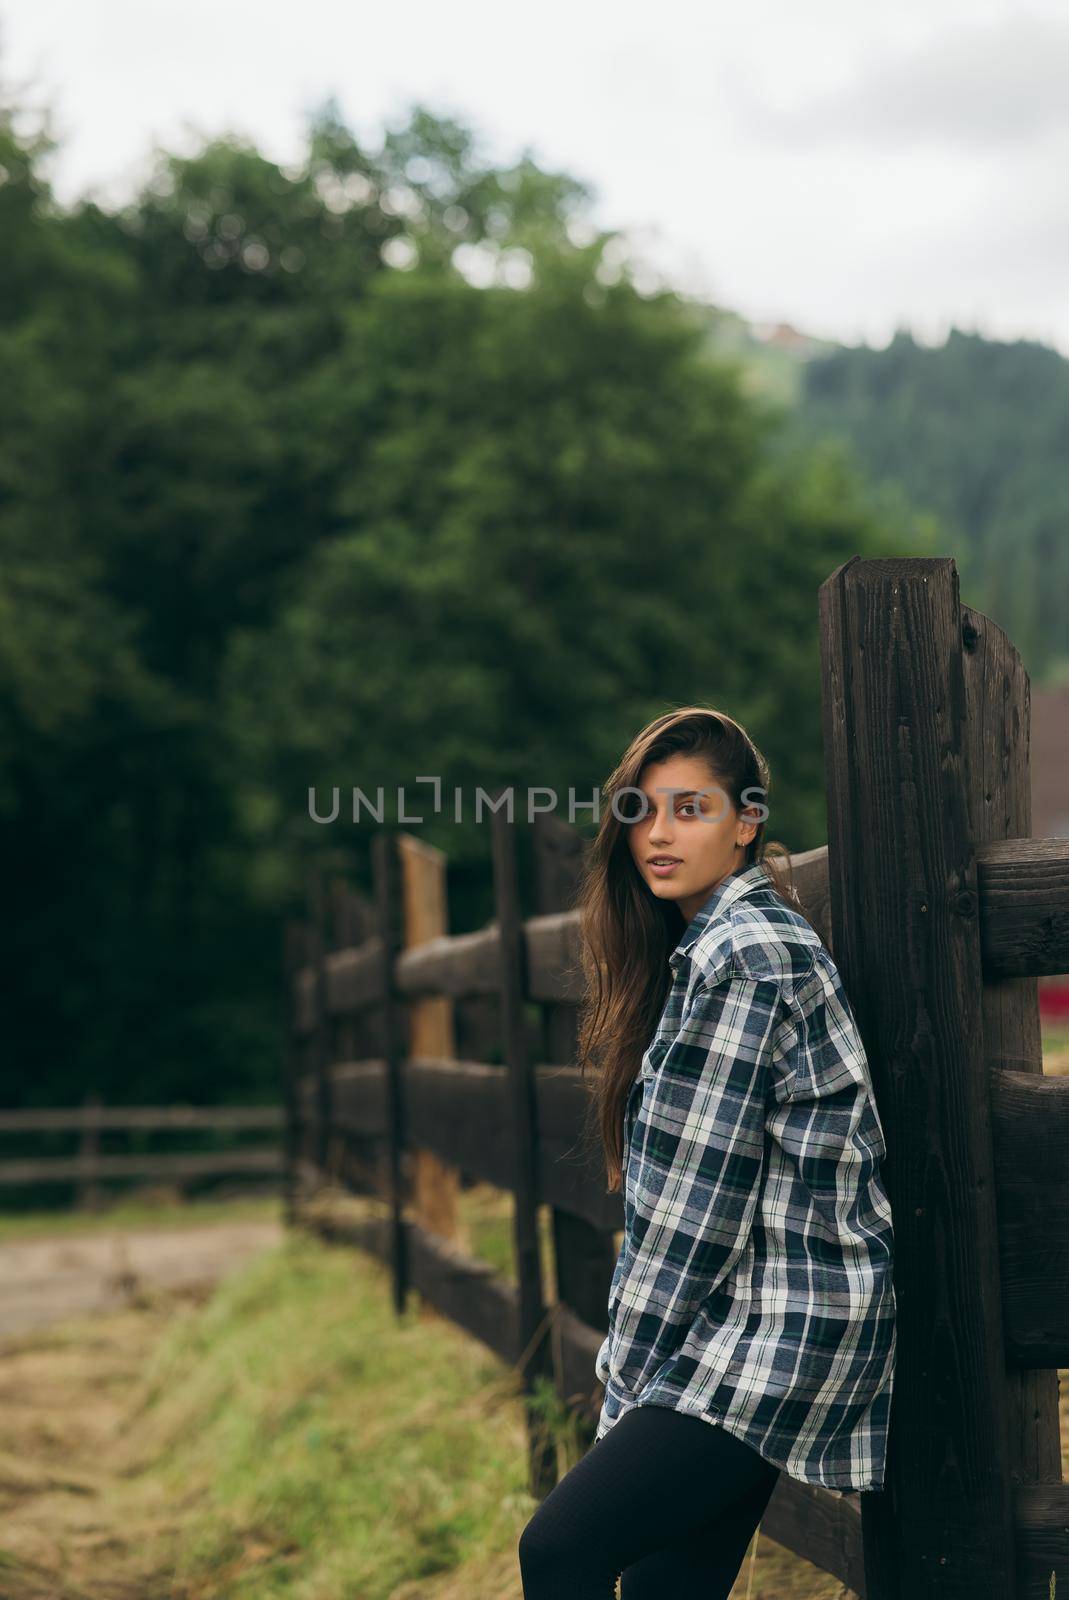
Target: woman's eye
[690, 808]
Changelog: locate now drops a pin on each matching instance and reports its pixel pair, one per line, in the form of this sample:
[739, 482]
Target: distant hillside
[773, 354]
[975, 431]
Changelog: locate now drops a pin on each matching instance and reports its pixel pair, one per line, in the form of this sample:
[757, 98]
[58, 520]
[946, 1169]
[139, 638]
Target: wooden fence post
[584, 1255]
[365, 1164]
[387, 880]
[533, 1330]
[906, 939]
[997, 732]
[89, 1192]
[343, 929]
[321, 1034]
[435, 1183]
[292, 953]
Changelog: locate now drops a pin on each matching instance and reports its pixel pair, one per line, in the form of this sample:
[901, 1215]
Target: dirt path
[44, 1280]
[79, 1316]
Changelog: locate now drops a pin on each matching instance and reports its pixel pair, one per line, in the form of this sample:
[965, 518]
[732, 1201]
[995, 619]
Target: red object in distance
[1054, 999]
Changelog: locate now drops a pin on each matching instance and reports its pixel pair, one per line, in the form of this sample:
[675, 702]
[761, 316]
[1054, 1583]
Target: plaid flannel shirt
[754, 1284]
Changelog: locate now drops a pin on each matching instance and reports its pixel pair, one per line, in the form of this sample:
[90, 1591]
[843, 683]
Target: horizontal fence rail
[1023, 889]
[90, 1165]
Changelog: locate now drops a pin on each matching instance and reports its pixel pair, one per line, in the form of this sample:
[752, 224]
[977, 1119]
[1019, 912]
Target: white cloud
[979, 88]
[845, 168]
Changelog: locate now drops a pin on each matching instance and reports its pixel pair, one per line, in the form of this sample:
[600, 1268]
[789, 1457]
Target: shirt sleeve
[827, 1123]
[700, 1166]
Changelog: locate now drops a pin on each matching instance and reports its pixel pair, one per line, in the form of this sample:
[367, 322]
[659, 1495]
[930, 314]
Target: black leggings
[666, 1499]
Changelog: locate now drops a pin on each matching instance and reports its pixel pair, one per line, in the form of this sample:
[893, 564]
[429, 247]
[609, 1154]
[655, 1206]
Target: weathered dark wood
[999, 794]
[455, 964]
[584, 1254]
[553, 970]
[305, 984]
[584, 1259]
[572, 1182]
[361, 1159]
[461, 1111]
[809, 871]
[353, 978]
[907, 943]
[575, 1345]
[361, 1094]
[320, 1036]
[477, 1020]
[467, 1291]
[364, 1166]
[559, 850]
[352, 913]
[1024, 894]
[458, 1109]
[1022, 884]
[560, 1032]
[305, 1102]
[1041, 1531]
[89, 1196]
[821, 1528]
[289, 1070]
[345, 923]
[524, 1133]
[387, 879]
[465, 965]
[1030, 1116]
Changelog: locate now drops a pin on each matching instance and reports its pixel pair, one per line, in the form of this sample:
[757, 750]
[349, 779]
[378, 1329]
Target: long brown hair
[626, 933]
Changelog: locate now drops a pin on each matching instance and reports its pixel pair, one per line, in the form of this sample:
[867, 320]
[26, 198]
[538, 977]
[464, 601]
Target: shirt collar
[727, 891]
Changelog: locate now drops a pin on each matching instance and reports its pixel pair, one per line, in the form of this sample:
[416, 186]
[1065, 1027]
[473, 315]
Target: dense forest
[374, 466]
[977, 432]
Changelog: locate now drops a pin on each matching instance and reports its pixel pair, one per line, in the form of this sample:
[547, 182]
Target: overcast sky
[848, 169]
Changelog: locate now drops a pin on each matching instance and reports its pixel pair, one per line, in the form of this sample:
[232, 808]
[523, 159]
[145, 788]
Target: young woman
[752, 1310]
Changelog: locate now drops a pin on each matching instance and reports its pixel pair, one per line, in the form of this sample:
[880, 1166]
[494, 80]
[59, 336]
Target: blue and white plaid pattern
[754, 1285]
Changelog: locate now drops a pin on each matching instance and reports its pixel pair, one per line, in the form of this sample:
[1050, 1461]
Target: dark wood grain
[522, 1127]
[907, 944]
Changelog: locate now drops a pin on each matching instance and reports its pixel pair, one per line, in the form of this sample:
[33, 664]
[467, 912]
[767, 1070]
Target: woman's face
[702, 833]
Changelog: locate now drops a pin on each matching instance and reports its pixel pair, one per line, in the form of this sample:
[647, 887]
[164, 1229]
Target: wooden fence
[941, 912]
[90, 1166]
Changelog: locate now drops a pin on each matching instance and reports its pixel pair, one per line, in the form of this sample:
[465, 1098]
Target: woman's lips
[662, 872]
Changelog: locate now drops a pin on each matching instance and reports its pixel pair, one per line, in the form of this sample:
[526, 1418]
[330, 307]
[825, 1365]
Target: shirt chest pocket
[653, 1058]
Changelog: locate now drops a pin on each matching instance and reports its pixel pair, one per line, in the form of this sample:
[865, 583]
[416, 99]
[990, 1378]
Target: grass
[356, 1452]
[287, 1436]
[1056, 1049]
[282, 1436]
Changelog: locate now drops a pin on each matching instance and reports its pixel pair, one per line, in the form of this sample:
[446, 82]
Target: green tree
[371, 467]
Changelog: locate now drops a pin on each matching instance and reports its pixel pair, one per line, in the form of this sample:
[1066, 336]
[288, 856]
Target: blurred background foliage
[384, 465]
